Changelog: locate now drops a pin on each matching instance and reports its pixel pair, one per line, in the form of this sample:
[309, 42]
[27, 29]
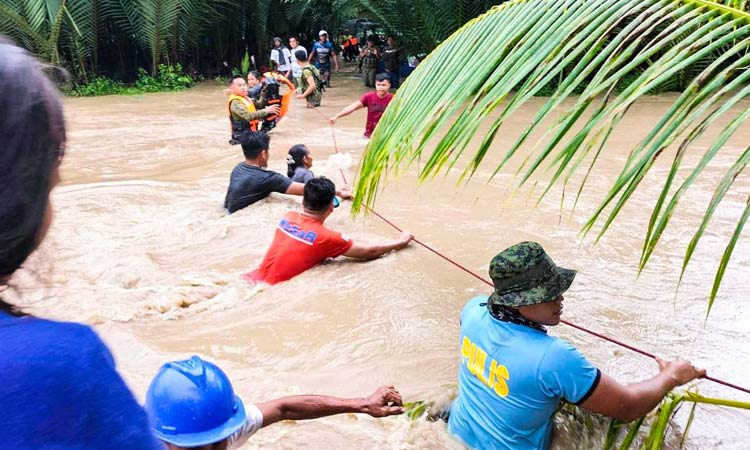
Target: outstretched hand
[386, 401]
[405, 238]
[345, 192]
[332, 120]
[680, 371]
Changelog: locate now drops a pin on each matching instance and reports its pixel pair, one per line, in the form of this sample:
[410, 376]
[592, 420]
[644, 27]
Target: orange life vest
[239, 126]
[286, 97]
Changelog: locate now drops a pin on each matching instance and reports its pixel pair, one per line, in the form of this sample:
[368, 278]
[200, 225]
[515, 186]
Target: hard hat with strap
[191, 403]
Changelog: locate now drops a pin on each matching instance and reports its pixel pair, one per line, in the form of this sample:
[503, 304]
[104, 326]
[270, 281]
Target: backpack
[320, 85]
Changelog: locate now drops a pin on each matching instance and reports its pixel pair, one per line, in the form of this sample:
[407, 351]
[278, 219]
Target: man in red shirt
[376, 102]
[302, 242]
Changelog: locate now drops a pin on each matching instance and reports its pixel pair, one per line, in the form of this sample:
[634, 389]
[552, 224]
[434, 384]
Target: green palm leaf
[612, 52]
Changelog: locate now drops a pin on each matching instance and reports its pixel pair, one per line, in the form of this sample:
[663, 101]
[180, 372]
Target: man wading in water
[251, 181]
[512, 375]
[301, 241]
[323, 52]
[376, 102]
[310, 83]
[244, 115]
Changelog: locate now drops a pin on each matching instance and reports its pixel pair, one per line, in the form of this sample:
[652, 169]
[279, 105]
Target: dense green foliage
[168, 78]
[115, 38]
[99, 86]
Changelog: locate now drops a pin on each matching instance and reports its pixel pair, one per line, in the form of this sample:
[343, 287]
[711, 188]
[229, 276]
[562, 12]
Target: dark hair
[32, 132]
[300, 54]
[318, 194]
[253, 142]
[382, 77]
[234, 77]
[295, 159]
[372, 38]
[256, 74]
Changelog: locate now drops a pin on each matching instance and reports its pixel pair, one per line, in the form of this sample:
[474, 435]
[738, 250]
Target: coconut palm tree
[611, 51]
[35, 24]
[424, 24]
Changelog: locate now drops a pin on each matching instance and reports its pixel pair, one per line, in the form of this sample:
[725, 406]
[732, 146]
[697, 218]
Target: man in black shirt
[392, 61]
[251, 181]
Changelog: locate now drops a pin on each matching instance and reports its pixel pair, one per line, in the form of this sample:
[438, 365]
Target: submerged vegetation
[608, 54]
[610, 434]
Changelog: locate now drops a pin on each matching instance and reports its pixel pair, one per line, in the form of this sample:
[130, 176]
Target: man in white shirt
[192, 405]
[296, 68]
[281, 57]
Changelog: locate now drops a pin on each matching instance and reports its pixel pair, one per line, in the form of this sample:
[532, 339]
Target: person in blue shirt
[59, 388]
[512, 375]
[321, 55]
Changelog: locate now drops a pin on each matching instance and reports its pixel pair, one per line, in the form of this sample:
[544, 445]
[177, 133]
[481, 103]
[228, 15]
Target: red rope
[488, 282]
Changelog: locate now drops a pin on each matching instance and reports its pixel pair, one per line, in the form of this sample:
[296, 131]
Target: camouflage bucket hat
[524, 275]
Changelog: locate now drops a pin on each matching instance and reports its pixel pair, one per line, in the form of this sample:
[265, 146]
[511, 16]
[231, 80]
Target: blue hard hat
[191, 403]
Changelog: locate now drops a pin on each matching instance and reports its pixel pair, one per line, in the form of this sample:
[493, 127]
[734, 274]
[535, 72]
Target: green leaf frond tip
[603, 55]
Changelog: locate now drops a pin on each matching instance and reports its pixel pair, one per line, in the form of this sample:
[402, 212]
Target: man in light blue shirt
[512, 375]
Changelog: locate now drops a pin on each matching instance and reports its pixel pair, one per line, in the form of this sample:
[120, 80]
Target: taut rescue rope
[488, 282]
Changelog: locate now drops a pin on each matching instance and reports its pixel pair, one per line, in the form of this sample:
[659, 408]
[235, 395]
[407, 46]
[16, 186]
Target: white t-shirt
[296, 68]
[286, 55]
[252, 424]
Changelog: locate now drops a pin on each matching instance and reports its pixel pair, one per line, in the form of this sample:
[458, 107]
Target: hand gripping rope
[489, 283]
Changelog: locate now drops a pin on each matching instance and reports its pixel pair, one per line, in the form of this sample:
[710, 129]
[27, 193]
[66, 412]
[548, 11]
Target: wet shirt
[254, 92]
[239, 110]
[391, 56]
[300, 243]
[249, 184]
[316, 95]
[375, 109]
[323, 52]
[253, 423]
[302, 175]
[511, 379]
[60, 390]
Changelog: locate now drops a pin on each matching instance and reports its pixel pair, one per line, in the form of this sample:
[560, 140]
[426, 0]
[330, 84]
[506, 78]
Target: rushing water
[141, 248]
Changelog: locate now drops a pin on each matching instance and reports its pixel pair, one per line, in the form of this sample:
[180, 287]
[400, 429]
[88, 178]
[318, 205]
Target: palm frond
[158, 19]
[612, 52]
[14, 24]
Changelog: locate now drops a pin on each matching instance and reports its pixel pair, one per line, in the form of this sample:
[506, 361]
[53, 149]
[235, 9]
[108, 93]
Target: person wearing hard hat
[192, 405]
[322, 53]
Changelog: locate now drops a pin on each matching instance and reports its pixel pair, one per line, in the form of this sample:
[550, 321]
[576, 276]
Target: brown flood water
[141, 248]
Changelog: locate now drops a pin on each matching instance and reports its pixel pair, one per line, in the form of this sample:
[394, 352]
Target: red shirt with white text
[300, 243]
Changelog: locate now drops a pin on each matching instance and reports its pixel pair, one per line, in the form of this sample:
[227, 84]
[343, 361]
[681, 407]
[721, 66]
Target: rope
[488, 282]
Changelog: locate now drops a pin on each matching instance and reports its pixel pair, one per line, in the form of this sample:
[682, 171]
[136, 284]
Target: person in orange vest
[245, 113]
[345, 42]
[352, 50]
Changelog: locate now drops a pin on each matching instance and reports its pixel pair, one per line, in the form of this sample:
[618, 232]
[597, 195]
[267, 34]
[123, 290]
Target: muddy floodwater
[141, 249]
